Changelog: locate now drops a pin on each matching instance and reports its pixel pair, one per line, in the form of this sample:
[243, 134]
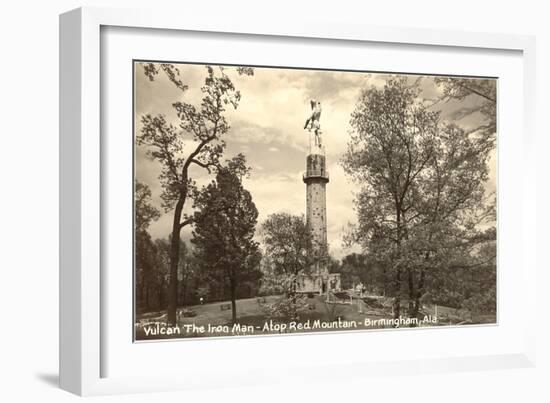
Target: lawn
[249, 313]
[251, 316]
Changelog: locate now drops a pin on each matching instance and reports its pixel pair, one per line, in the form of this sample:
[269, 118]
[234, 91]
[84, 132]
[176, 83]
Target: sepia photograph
[277, 201]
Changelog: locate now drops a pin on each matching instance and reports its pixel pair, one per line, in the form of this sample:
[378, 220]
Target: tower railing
[315, 173]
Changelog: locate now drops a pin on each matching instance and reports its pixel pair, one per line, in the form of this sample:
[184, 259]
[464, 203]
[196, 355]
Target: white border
[80, 165]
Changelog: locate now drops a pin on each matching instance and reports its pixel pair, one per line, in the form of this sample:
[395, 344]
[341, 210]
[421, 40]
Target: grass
[249, 313]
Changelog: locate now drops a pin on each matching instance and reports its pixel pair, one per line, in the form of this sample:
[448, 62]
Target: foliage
[145, 212]
[469, 283]
[171, 71]
[204, 126]
[288, 244]
[285, 308]
[153, 259]
[200, 130]
[146, 253]
[422, 198]
[225, 223]
[485, 92]
[362, 268]
[148, 276]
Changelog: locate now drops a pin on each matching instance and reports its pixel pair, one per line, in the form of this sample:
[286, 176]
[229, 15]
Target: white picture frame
[83, 304]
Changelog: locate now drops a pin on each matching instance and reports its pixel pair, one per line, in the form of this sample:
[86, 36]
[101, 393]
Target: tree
[188, 272]
[485, 92]
[453, 209]
[225, 223]
[145, 270]
[360, 268]
[422, 199]
[145, 211]
[390, 146]
[146, 251]
[288, 243]
[354, 269]
[480, 281]
[289, 252]
[186, 267]
[203, 128]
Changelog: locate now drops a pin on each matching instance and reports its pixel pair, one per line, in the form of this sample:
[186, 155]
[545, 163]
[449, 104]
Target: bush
[285, 307]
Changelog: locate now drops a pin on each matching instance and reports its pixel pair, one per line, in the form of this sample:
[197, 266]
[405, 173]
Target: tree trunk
[384, 280]
[233, 288]
[419, 292]
[159, 294]
[412, 296]
[181, 291]
[397, 297]
[174, 262]
[421, 283]
[184, 292]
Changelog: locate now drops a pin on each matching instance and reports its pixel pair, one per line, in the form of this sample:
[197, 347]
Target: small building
[318, 283]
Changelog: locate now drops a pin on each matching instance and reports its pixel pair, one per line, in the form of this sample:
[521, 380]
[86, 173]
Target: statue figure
[312, 123]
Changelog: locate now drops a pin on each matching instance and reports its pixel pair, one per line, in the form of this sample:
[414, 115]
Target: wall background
[29, 197]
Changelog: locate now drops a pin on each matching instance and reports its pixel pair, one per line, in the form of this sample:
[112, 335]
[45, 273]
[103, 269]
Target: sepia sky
[267, 128]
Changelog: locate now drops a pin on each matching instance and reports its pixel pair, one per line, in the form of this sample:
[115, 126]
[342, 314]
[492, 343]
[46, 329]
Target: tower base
[318, 283]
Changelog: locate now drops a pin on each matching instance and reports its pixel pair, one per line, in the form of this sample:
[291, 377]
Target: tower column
[316, 178]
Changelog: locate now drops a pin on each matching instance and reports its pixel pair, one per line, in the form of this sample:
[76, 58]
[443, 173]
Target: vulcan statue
[312, 123]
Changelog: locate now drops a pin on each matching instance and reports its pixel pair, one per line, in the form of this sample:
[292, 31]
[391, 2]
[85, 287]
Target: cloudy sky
[268, 128]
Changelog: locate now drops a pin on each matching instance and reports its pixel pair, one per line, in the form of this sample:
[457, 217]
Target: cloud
[268, 128]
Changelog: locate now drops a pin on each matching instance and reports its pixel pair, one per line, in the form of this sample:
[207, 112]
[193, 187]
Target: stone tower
[316, 178]
[317, 279]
